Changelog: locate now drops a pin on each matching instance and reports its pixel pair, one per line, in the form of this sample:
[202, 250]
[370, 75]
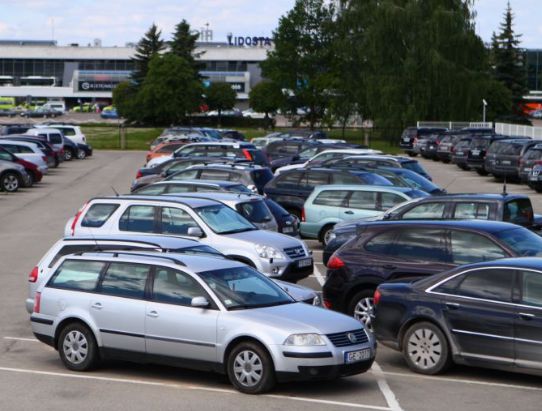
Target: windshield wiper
[239, 230]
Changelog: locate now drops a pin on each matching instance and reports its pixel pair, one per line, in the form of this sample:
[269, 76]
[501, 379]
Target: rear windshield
[262, 177]
[463, 144]
[255, 211]
[534, 154]
[98, 214]
[275, 208]
[518, 211]
[481, 143]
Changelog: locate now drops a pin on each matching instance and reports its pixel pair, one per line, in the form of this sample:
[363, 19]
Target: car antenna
[504, 193]
[115, 191]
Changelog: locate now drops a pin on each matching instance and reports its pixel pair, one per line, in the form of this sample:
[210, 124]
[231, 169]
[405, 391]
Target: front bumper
[288, 270]
[325, 372]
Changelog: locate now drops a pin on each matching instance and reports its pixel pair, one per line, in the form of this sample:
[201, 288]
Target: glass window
[491, 284]
[390, 200]
[255, 211]
[125, 280]
[381, 243]
[518, 211]
[331, 198]
[374, 179]
[202, 189]
[289, 179]
[207, 174]
[472, 248]
[176, 221]
[425, 244]
[174, 287]
[55, 138]
[522, 241]
[4, 155]
[344, 178]
[152, 190]
[223, 220]
[425, 211]
[363, 200]
[468, 211]
[449, 287]
[238, 188]
[77, 275]
[185, 175]
[97, 214]
[532, 288]
[138, 219]
[316, 178]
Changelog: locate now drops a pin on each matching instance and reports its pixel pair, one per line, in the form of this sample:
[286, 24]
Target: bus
[7, 103]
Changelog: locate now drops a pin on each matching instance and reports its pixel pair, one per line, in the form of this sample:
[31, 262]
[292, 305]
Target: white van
[59, 106]
[74, 133]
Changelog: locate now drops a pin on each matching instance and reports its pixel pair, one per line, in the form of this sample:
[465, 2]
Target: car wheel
[325, 234]
[10, 182]
[81, 154]
[68, 155]
[77, 348]
[446, 161]
[425, 349]
[361, 307]
[250, 368]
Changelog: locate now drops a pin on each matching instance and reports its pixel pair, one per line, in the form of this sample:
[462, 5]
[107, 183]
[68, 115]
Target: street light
[484, 102]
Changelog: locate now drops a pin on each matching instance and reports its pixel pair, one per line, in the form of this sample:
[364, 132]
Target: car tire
[426, 349]
[10, 182]
[361, 307]
[250, 368]
[323, 237]
[446, 161]
[81, 154]
[68, 155]
[77, 347]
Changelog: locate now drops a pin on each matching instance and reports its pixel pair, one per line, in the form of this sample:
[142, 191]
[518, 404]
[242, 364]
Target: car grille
[342, 340]
[295, 252]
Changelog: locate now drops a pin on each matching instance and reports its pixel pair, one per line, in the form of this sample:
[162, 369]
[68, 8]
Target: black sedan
[41, 112]
[487, 314]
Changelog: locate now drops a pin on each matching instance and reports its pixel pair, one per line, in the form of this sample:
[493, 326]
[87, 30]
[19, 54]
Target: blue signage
[251, 41]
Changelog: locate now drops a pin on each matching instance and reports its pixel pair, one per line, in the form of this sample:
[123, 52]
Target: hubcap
[248, 368]
[75, 347]
[68, 155]
[327, 236]
[81, 154]
[363, 312]
[11, 183]
[424, 348]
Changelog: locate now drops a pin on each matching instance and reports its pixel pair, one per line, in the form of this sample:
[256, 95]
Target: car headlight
[267, 252]
[305, 340]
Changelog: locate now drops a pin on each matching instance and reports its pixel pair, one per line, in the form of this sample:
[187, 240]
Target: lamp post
[484, 102]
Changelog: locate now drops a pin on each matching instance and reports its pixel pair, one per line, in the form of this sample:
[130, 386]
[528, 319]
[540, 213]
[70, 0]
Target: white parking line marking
[186, 387]
[463, 381]
[385, 388]
[321, 279]
[21, 339]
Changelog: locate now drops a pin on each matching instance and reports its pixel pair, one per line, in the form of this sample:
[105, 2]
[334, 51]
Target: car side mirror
[200, 302]
[386, 217]
[194, 232]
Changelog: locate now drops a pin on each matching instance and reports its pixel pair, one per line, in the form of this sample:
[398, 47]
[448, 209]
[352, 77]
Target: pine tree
[150, 45]
[183, 45]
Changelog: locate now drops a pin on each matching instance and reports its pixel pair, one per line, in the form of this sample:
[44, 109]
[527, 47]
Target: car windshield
[239, 188]
[242, 288]
[414, 166]
[522, 241]
[223, 220]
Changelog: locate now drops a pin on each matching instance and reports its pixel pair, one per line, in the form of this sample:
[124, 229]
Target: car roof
[236, 197]
[233, 144]
[473, 225]
[516, 262]
[362, 187]
[219, 183]
[18, 142]
[480, 196]
[162, 241]
[190, 202]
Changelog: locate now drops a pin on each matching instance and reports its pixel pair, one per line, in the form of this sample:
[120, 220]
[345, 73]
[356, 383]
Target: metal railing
[519, 131]
[453, 125]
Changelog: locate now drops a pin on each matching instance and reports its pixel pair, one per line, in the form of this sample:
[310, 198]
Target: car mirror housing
[200, 302]
[195, 232]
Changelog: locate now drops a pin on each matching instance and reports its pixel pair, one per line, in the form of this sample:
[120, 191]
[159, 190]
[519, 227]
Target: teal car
[331, 204]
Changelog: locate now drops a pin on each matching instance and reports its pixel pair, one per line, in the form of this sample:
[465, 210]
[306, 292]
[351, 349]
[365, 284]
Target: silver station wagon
[196, 312]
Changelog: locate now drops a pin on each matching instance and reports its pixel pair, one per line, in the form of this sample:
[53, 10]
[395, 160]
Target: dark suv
[283, 152]
[407, 250]
[532, 157]
[503, 157]
[411, 135]
[478, 148]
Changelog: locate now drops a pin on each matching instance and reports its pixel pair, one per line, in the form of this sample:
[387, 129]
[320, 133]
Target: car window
[68, 131]
[363, 200]
[97, 214]
[381, 243]
[152, 190]
[207, 174]
[125, 280]
[467, 211]
[331, 198]
[490, 284]
[344, 178]
[390, 200]
[55, 138]
[255, 211]
[412, 244]
[289, 179]
[531, 288]
[77, 275]
[472, 248]
[425, 211]
[533, 155]
[176, 221]
[518, 211]
[174, 287]
[185, 175]
[5, 156]
[138, 218]
[237, 188]
[316, 178]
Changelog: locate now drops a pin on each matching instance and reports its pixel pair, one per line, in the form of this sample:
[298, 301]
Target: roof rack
[163, 256]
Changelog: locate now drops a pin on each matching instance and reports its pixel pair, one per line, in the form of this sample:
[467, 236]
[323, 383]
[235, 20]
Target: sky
[121, 21]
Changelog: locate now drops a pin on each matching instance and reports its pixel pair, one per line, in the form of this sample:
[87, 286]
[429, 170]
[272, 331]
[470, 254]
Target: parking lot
[31, 374]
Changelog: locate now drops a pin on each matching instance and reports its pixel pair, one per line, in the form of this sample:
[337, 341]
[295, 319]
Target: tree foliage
[266, 97]
[220, 96]
[183, 44]
[150, 45]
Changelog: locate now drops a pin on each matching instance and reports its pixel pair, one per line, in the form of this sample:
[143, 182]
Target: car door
[360, 204]
[174, 328]
[480, 316]
[118, 306]
[528, 321]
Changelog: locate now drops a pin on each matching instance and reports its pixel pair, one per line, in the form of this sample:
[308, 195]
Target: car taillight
[74, 222]
[37, 303]
[538, 163]
[139, 174]
[327, 304]
[376, 297]
[33, 276]
[335, 263]
[247, 154]
[303, 214]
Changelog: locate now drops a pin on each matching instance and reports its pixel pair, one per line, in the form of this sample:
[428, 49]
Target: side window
[25, 149]
[531, 288]
[98, 214]
[77, 275]
[518, 211]
[425, 211]
[492, 284]
[390, 200]
[381, 243]
[413, 245]
[214, 175]
[204, 189]
[467, 211]
[289, 180]
[174, 287]
[331, 198]
[5, 156]
[363, 200]
[176, 189]
[152, 190]
[317, 178]
[176, 221]
[344, 178]
[125, 280]
[472, 248]
[186, 175]
[138, 219]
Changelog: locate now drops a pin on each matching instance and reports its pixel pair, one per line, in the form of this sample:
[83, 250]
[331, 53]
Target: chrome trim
[489, 357]
[178, 340]
[500, 337]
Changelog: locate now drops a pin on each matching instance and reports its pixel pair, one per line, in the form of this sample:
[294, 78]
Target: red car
[30, 168]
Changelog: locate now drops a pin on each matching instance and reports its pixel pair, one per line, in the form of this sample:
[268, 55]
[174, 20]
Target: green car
[331, 204]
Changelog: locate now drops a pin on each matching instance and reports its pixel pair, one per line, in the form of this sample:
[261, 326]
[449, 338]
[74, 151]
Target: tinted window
[290, 179]
[522, 241]
[533, 155]
[138, 218]
[185, 175]
[532, 288]
[472, 248]
[125, 280]
[55, 138]
[425, 211]
[413, 166]
[68, 131]
[97, 214]
[176, 189]
[332, 198]
[518, 211]
[215, 175]
[381, 243]
[238, 188]
[316, 178]
[493, 284]
[344, 178]
[375, 179]
[176, 221]
[174, 287]
[255, 211]
[223, 220]
[4, 155]
[363, 200]
[390, 200]
[413, 244]
[467, 211]
[152, 190]
[77, 275]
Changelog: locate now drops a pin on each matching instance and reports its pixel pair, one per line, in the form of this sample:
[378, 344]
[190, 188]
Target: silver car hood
[271, 238]
[297, 292]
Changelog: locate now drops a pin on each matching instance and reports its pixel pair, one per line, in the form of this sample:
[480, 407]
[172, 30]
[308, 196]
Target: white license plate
[304, 263]
[431, 147]
[459, 154]
[288, 230]
[355, 356]
[406, 139]
[527, 169]
[533, 178]
[506, 162]
[475, 152]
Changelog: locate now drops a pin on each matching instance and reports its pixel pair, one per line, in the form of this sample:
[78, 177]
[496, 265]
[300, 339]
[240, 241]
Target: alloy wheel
[75, 347]
[248, 368]
[10, 183]
[363, 311]
[424, 348]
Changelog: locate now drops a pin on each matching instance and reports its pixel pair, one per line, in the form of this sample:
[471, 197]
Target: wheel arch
[70, 320]
[236, 341]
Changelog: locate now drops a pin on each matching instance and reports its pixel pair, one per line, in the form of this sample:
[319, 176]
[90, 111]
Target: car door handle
[389, 266]
[526, 316]
[153, 314]
[453, 306]
[97, 306]
[349, 212]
